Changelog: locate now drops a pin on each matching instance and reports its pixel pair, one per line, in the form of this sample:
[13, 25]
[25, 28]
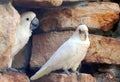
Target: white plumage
[69, 55]
[23, 33]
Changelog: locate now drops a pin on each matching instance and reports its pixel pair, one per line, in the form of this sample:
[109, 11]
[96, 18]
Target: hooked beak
[34, 23]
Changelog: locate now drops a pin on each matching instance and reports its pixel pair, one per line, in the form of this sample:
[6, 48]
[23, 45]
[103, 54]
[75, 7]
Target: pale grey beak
[34, 23]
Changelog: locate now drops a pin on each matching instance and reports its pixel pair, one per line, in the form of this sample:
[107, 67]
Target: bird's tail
[40, 73]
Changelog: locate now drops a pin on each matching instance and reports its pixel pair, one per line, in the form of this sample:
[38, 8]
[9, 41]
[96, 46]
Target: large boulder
[13, 77]
[44, 45]
[100, 16]
[9, 21]
[102, 49]
[56, 77]
[37, 3]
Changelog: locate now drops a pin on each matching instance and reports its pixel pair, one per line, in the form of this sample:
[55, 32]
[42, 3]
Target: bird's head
[82, 28]
[82, 32]
[29, 20]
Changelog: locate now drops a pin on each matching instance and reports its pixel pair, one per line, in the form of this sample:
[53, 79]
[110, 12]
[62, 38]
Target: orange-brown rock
[55, 77]
[112, 70]
[101, 16]
[9, 21]
[13, 77]
[86, 78]
[20, 59]
[102, 49]
[37, 3]
[44, 45]
[105, 77]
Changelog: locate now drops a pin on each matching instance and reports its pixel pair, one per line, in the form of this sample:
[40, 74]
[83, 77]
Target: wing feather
[63, 53]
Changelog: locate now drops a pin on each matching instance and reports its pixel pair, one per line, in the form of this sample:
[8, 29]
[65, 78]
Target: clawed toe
[14, 70]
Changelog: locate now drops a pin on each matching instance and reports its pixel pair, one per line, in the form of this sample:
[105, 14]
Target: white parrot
[28, 23]
[69, 55]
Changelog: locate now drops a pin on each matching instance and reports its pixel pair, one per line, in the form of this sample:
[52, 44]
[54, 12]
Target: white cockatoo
[28, 23]
[69, 55]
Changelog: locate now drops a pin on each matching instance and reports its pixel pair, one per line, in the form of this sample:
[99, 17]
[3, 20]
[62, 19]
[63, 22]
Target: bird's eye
[80, 31]
[27, 19]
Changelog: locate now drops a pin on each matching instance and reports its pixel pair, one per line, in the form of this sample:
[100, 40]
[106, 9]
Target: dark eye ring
[27, 19]
[80, 31]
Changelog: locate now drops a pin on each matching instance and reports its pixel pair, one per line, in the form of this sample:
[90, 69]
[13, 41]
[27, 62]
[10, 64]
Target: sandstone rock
[86, 78]
[105, 77]
[44, 45]
[113, 71]
[37, 3]
[19, 59]
[9, 21]
[101, 16]
[102, 49]
[55, 77]
[13, 77]
[22, 58]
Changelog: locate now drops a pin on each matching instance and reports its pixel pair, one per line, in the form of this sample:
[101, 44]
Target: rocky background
[58, 20]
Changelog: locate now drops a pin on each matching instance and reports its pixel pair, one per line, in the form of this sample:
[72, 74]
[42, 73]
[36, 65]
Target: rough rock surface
[44, 45]
[56, 77]
[13, 77]
[22, 58]
[37, 3]
[100, 16]
[111, 72]
[19, 60]
[105, 77]
[102, 49]
[9, 21]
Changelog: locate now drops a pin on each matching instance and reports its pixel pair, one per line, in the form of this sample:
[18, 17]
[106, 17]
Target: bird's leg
[10, 65]
[12, 69]
[10, 62]
[76, 71]
[67, 72]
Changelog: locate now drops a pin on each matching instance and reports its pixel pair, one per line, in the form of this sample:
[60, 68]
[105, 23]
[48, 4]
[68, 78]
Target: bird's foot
[67, 72]
[78, 73]
[14, 70]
